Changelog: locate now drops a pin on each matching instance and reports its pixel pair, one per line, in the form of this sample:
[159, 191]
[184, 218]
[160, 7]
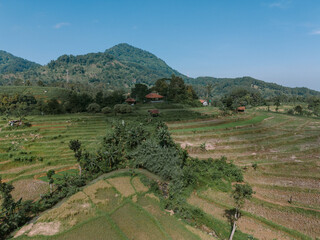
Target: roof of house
[154, 111]
[241, 108]
[202, 101]
[153, 95]
[130, 100]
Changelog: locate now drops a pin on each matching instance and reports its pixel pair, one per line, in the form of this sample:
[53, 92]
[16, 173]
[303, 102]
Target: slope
[12, 64]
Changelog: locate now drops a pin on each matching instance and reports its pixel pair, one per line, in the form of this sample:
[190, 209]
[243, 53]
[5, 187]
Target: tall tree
[240, 194]
[75, 146]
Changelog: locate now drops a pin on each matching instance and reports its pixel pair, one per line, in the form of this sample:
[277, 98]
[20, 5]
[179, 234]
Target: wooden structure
[154, 112]
[241, 109]
[130, 101]
[154, 97]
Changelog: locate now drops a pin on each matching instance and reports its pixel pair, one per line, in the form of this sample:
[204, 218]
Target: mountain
[222, 86]
[118, 67]
[121, 67]
[12, 64]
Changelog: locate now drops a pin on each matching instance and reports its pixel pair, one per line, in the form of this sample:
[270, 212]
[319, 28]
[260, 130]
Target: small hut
[203, 102]
[241, 109]
[154, 97]
[154, 112]
[131, 101]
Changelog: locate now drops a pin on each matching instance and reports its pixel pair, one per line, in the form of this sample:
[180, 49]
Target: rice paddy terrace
[115, 206]
[27, 154]
[285, 148]
[280, 155]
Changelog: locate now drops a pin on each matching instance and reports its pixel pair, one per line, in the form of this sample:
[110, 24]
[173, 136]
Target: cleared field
[100, 211]
[286, 180]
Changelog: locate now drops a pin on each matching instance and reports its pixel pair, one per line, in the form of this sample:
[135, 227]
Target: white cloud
[280, 4]
[315, 32]
[60, 25]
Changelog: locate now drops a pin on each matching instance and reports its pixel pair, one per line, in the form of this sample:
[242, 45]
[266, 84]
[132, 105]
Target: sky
[271, 40]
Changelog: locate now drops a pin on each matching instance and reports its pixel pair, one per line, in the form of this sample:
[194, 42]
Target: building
[154, 97]
[241, 109]
[154, 112]
[130, 101]
[203, 102]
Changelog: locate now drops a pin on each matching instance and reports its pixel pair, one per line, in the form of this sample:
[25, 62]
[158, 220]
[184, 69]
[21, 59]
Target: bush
[122, 108]
[93, 108]
[106, 110]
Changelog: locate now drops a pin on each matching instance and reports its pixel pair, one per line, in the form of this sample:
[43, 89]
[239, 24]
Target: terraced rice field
[113, 207]
[286, 148]
[46, 144]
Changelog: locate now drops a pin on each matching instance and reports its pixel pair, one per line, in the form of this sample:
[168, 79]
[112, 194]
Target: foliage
[139, 91]
[240, 193]
[106, 110]
[242, 97]
[122, 108]
[175, 90]
[13, 64]
[94, 108]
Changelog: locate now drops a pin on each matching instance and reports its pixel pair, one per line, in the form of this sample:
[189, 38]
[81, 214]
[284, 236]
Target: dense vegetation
[122, 66]
[13, 64]
[139, 142]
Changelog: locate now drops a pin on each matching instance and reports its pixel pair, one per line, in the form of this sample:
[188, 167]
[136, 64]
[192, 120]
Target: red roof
[202, 101]
[154, 111]
[130, 100]
[241, 108]
[153, 95]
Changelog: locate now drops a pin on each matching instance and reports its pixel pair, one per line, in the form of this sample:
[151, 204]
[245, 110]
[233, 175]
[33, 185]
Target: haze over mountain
[121, 67]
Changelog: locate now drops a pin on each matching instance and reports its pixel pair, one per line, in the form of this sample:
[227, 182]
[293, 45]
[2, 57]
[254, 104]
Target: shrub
[93, 108]
[106, 110]
[122, 108]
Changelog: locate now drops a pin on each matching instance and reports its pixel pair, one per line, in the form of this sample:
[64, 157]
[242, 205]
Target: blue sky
[272, 40]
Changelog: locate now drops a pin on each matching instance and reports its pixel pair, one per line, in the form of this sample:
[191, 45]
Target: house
[130, 101]
[241, 109]
[204, 102]
[154, 97]
[154, 112]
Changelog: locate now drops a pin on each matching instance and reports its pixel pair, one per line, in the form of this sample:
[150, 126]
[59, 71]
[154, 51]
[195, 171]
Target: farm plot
[285, 153]
[101, 211]
[28, 153]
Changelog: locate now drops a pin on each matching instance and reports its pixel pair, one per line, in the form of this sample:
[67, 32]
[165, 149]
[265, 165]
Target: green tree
[75, 146]
[50, 174]
[298, 109]
[139, 91]
[240, 194]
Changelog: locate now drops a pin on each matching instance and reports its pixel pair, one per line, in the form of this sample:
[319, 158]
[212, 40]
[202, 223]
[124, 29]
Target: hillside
[12, 64]
[115, 207]
[118, 67]
[222, 86]
[121, 67]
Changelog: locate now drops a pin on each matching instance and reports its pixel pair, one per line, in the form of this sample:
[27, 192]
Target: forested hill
[221, 86]
[121, 67]
[118, 67]
[12, 64]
